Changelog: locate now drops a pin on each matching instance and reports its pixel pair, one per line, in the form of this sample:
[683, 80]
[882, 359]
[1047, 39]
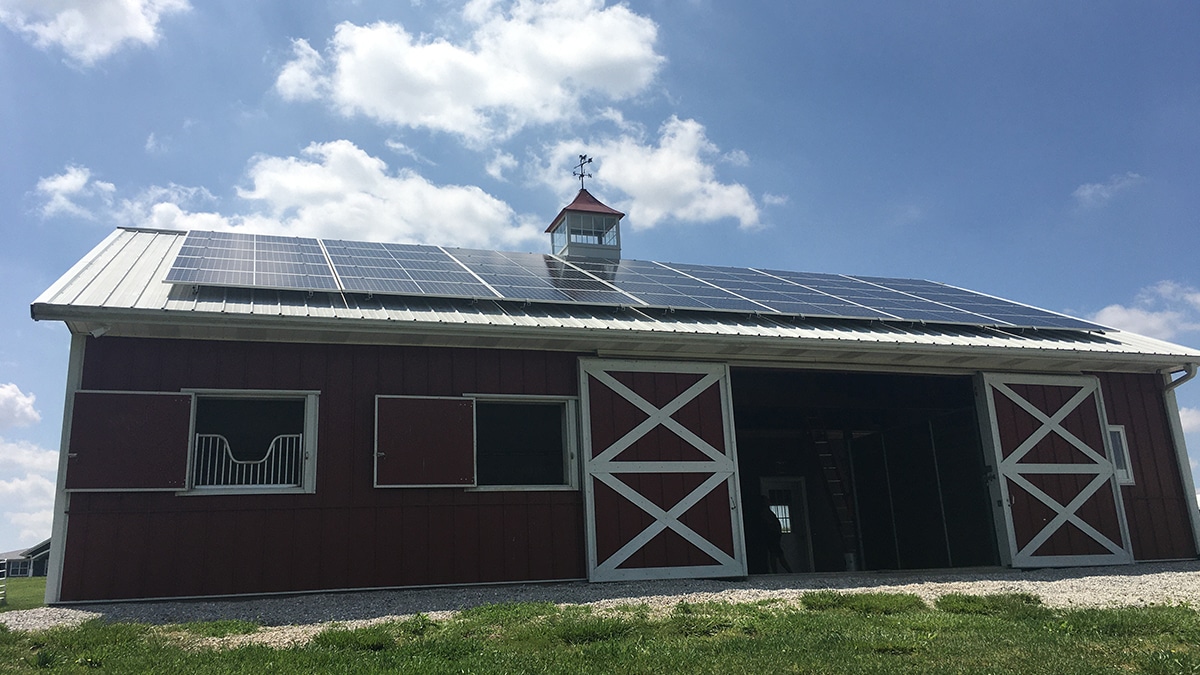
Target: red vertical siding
[346, 535]
[1156, 505]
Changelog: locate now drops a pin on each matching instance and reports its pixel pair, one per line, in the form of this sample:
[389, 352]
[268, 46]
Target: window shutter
[129, 441]
[424, 442]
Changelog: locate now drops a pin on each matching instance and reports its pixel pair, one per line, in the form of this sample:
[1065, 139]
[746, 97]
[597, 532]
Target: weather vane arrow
[579, 173]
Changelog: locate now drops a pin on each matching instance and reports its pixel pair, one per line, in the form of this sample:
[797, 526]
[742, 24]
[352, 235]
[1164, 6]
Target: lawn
[828, 632]
[25, 593]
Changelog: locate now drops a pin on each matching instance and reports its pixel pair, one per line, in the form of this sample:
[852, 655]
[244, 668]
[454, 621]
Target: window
[524, 443]
[479, 441]
[594, 230]
[254, 442]
[18, 568]
[1120, 450]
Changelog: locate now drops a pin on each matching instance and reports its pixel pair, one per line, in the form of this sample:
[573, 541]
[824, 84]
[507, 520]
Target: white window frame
[570, 406]
[1122, 463]
[308, 481]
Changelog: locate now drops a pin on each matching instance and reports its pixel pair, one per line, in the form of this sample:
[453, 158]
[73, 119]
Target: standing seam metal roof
[122, 280]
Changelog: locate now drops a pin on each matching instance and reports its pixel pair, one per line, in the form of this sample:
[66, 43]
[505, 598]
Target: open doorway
[862, 471]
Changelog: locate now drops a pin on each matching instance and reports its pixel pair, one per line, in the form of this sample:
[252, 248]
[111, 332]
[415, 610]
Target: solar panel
[402, 269]
[987, 306]
[891, 302]
[779, 294]
[539, 278]
[657, 285]
[261, 261]
[253, 261]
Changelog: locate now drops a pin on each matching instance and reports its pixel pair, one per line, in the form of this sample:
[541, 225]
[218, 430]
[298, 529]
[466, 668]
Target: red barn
[434, 416]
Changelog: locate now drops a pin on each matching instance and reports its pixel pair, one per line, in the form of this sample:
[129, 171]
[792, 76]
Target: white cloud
[406, 151]
[737, 158]
[1190, 419]
[16, 407]
[1091, 195]
[775, 200]
[1164, 310]
[88, 30]
[1164, 324]
[338, 190]
[65, 193]
[525, 62]
[301, 78]
[27, 503]
[673, 180]
[155, 145]
[500, 163]
[168, 207]
[27, 456]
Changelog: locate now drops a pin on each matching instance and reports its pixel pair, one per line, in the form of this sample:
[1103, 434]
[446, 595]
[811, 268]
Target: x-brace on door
[1060, 499]
[660, 471]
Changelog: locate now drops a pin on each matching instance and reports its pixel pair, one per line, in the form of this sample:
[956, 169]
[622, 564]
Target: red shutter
[424, 442]
[129, 441]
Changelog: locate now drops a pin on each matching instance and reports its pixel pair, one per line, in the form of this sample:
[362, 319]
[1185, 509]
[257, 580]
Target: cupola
[586, 227]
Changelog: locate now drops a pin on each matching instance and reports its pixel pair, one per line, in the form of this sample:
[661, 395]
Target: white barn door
[1057, 488]
[660, 471]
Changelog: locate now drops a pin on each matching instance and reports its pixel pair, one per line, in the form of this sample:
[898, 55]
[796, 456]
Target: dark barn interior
[861, 471]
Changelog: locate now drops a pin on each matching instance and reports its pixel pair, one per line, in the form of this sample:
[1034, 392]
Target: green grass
[24, 593]
[827, 633]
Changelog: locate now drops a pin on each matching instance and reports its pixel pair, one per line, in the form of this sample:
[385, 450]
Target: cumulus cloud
[73, 193]
[524, 62]
[1090, 195]
[170, 208]
[338, 190]
[1164, 310]
[27, 456]
[1190, 419]
[27, 503]
[16, 407]
[673, 179]
[500, 163]
[88, 30]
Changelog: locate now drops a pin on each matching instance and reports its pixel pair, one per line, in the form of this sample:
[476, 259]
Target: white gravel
[294, 619]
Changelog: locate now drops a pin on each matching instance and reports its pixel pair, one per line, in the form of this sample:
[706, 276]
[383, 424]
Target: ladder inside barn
[834, 458]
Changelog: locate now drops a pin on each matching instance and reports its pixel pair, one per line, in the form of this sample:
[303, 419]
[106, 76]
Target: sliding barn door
[1057, 489]
[660, 471]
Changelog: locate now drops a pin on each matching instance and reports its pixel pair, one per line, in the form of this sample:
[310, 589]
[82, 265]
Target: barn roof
[119, 289]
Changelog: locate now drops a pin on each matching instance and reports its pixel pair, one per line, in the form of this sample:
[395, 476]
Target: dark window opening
[519, 443]
[249, 442]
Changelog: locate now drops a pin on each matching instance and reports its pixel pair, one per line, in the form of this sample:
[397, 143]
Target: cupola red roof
[584, 201]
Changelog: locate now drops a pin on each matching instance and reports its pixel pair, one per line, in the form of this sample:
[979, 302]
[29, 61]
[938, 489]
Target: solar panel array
[252, 261]
[307, 264]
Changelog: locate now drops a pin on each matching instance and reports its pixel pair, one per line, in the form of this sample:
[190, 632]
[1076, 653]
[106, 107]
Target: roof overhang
[844, 352]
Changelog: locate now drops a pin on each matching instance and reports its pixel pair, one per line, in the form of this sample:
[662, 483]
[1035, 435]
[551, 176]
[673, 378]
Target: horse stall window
[253, 443]
[524, 444]
[892, 464]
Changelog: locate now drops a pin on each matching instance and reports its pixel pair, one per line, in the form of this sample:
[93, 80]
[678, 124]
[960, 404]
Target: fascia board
[161, 323]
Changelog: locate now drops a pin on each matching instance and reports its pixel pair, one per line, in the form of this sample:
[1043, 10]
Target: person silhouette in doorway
[773, 538]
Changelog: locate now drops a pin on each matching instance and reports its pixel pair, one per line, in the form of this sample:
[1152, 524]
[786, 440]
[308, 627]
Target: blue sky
[1043, 152]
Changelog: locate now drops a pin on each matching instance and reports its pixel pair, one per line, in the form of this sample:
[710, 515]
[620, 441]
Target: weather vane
[579, 173]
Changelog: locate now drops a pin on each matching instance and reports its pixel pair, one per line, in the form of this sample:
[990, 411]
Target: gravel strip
[290, 620]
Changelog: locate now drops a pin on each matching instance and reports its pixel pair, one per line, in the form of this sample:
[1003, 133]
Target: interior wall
[892, 465]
